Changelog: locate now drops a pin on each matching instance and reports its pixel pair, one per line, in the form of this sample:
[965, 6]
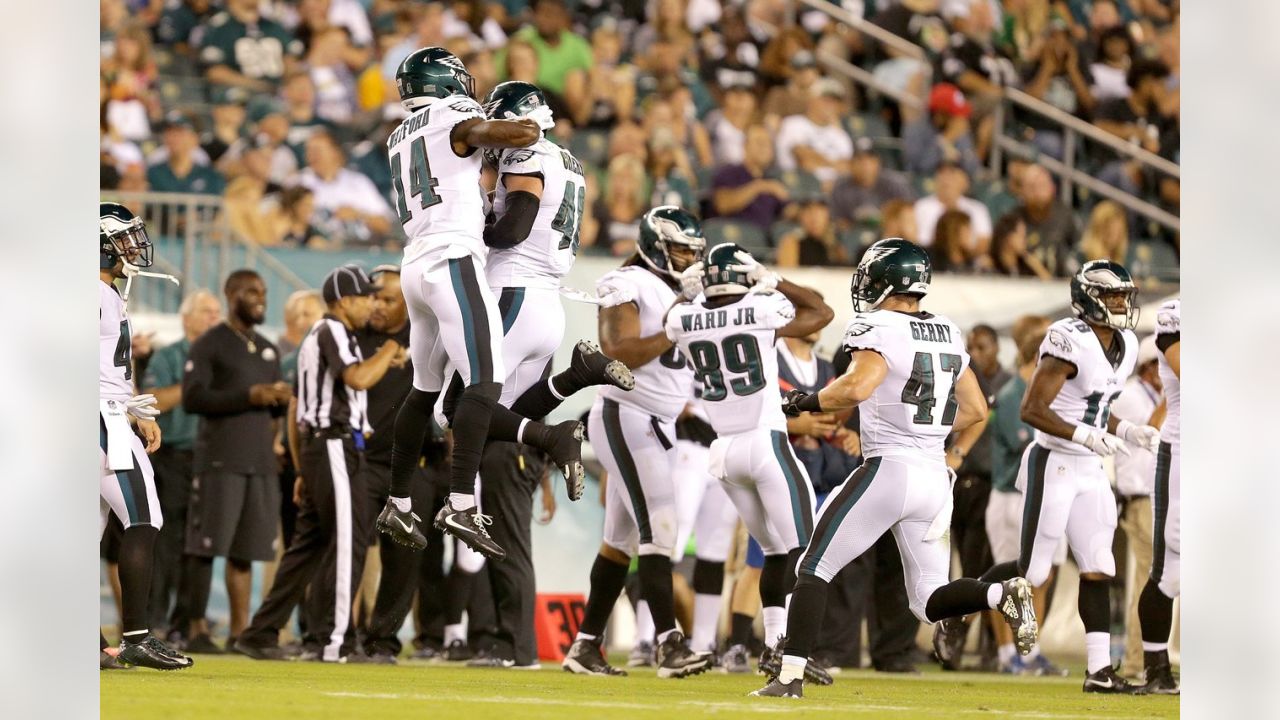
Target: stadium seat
[750, 237]
[858, 237]
[780, 228]
[801, 183]
[868, 125]
[1154, 258]
[591, 147]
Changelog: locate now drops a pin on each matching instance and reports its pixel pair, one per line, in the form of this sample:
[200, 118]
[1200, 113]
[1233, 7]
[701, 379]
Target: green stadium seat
[857, 238]
[801, 183]
[749, 236]
[1154, 258]
[780, 228]
[868, 125]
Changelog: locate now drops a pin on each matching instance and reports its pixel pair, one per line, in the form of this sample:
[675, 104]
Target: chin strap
[131, 271]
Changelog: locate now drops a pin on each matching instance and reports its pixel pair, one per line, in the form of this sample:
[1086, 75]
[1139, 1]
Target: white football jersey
[547, 254]
[1086, 397]
[1169, 323]
[438, 194]
[115, 337]
[665, 383]
[912, 410]
[731, 350]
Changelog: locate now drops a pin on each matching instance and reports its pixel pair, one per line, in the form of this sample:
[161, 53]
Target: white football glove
[142, 407]
[1143, 436]
[542, 116]
[610, 295]
[691, 281]
[761, 278]
[1102, 443]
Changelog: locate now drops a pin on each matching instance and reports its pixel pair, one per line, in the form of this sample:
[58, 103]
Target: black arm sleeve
[513, 227]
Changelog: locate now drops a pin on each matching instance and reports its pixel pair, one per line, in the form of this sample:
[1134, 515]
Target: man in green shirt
[200, 311]
[243, 49]
[559, 49]
[180, 173]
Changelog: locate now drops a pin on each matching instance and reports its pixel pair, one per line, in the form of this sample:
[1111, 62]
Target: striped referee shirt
[324, 400]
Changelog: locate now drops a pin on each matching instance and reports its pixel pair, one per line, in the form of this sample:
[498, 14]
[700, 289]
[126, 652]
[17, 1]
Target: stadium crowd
[281, 107]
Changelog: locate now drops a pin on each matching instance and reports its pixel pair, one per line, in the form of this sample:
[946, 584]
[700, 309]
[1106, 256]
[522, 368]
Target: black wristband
[809, 404]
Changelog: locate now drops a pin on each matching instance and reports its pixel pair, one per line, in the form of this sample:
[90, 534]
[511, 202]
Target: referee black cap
[346, 281]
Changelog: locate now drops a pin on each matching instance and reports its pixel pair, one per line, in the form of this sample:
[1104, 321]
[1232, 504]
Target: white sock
[775, 624]
[706, 615]
[1035, 652]
[456, 631]
[135, 634]
[1098, 646]
[644, 622]
[662, 636]
[792, 668]
[520, 430]
[461, 501]
[994, 593]
[1154, 647]
[584, 636]
[403, 504]
[551, 383]
[1006, 653]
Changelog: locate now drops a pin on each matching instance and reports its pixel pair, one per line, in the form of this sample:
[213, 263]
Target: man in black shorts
[232, 381]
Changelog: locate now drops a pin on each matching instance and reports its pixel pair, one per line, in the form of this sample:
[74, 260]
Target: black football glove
[790, 402]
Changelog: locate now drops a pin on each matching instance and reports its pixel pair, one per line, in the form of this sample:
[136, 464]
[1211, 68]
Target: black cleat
[402, 527]
[676, 660]
[771, 665]
[468, 526]
[591, 367]
[793, 689]
[260, 652]
[202, 644]
[153, 654]
[565, 449]
[1160, 681]
[1107, 680]
[458, 651]
[734, 660]
[641, 654]
[948, 642]
[107, 661]
[815, 673]
[1018, 611]
[771, 662]
[585, 658]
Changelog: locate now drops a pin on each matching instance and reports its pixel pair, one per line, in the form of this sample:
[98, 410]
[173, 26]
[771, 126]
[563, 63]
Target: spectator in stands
[951, 186]
[792, 98]
[732, 51]
[669, 170]
[1110, 69]
[1103, 16]
[914, 20]
[241, 48]
[179, 20]
[131, 75]
[1138, 118]
[299, 94]
[1009, 255]
[315, 17]
[971, 60]
[179, 172]
[664, 74]
[297, 207]
[1059, 79]
[228, 116]
[898, 219]
[428, 31]
[618, 210]
[1051, 226]
[674, 113]
[727, 125]
[520, 62]
[333, 82]
[815, 141]
[250, 201]
[858, 197]
[814, 242]
[667, 22]
[561, 52]
[268, 129]
[941, 134]
[470, 19]
[745, 191]
[611, 82]
[1106, 237]
[778, 55]
[628, 138]
[348, 206]
[952, 238]
[1022, 32]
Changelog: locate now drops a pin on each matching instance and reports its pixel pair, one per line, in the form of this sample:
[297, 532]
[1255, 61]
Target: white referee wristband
[1081, 435]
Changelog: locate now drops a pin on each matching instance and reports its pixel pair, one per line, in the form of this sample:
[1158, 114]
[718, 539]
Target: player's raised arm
[620, 339]
[812, 313]
[498, 134]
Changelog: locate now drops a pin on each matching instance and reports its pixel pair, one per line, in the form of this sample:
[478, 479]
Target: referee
[327, 441]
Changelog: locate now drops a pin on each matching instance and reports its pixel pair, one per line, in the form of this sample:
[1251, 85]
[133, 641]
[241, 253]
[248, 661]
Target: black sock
[1154, 659]
[470, 431]
[956, 598]
[410, 434]
[804, 618]
[1155, 612]
[457, 594]
[1095, 605]
[773, 582]
[708, 577]
[1000, 573]
[740, 627]
[537, 402]
[655, 587]
[607, 581]
[102, 641]
[452, 393]
[137, 549]
[504, 426]
[198, 574]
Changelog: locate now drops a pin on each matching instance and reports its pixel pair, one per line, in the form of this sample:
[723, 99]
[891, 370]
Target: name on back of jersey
[419, 120]
[930, 332]
[711, 319]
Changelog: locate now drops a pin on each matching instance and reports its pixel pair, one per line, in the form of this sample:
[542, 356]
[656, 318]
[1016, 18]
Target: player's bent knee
[1169, 585]
[1096, 575]
[615, 554]
[1037, 574]
[488, 391]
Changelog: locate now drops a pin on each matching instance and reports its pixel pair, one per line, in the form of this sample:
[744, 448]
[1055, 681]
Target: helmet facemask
[129, 240]
[1093, 287]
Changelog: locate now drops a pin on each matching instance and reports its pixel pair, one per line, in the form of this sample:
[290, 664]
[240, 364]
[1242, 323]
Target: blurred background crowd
[760, 115]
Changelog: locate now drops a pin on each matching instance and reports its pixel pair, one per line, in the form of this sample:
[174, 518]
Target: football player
[729, 338]
[1155, 605]
[910, 378]
[455, 318]
[633, 434]
[127, 485]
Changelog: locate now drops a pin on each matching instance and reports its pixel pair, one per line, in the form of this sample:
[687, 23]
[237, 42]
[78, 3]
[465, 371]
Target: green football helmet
[892, 266]
[1091, 284]
[513, 99]
[720, 275]
[432, 73]
[121, 236]
[663, 227]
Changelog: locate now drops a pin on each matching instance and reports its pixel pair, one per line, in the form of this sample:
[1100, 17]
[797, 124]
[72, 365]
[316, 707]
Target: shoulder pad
[464, 105]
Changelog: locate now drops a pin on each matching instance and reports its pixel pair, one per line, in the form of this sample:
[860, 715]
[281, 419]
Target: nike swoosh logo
[407, 528]
[449, 521]
[1107, 684]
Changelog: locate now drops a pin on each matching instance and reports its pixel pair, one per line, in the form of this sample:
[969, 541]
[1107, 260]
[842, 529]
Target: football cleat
[107, 661]
[771, 665]
[1107, 680]
[202, 644]
[402, 527]
[458, 651]
[948, 641]
[469, 527]
[565, 450]
[676, 660]
[260, 652]
[585, 658]
[641, 655]
[771, 662]
[1160, 681]
[591, 367]
[735, 660]
[1040, 665]
[793, 689]
[153, 654]
[1015, 605]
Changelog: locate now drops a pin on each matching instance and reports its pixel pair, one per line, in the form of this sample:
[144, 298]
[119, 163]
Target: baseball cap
[829, 87]
[262, 106]
[383, 269]
[803, 59]
[949, 99]
[177, 119]
[346, 281]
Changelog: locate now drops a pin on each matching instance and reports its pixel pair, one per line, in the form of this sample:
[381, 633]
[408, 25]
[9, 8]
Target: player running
[127, 484]
[453, 314]
[633, 434]
[910, 378]
[1155, 605]
[729, 337]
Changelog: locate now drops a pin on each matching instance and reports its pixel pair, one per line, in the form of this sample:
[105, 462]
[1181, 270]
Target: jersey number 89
[741, 355]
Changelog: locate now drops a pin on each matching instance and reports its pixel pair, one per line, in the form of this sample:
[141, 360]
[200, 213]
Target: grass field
[235, 688]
